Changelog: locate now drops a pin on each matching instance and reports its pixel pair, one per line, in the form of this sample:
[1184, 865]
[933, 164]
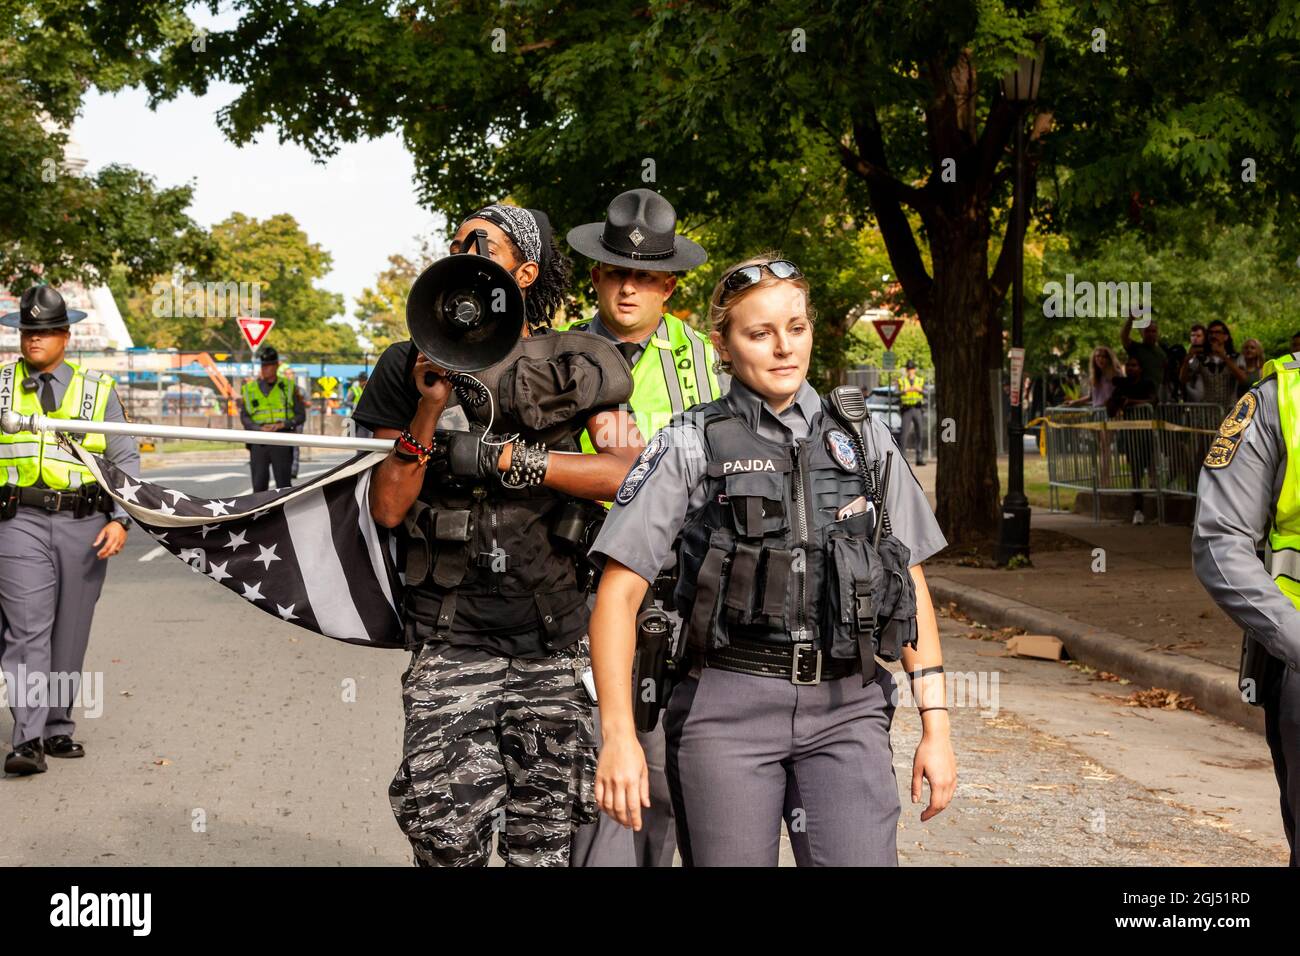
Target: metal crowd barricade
[1072, 451]
[1154, 450]
[1184, 439]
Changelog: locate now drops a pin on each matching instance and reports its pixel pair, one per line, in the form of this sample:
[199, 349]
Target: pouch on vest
[758, 573]
[897, 611]
[854, 586]
[438, 544]
[702, 629]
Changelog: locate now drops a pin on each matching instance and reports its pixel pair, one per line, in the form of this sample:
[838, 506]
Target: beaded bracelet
[408, 448]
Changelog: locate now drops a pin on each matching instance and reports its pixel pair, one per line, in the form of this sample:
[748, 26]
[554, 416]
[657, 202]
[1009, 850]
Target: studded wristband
[527, 465]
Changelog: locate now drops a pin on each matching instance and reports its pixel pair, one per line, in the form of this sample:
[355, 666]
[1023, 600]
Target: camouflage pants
[494, 744]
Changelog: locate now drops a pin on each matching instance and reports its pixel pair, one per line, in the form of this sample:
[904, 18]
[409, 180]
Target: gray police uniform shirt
[1234, 513]
[122, 450]
[640, 534]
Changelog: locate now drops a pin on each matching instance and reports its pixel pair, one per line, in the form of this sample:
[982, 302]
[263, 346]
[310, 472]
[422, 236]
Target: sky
[360, 206]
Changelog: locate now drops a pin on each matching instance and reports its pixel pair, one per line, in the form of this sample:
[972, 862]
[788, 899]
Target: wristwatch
[123, 520]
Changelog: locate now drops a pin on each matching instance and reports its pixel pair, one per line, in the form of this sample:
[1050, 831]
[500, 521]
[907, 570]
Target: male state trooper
[636, 253]
[54, 538]
[271, 404]
[911, 392]
[1249, 497]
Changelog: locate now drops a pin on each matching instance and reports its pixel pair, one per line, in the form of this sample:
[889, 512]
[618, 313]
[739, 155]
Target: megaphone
[465, 312]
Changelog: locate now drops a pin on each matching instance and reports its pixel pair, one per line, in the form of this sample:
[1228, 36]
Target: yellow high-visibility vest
[1282, 556]
[912, 390]
[674, 373]
[26, 457]
[272, 408]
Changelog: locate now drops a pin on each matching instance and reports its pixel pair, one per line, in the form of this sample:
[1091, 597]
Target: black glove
[467, 457]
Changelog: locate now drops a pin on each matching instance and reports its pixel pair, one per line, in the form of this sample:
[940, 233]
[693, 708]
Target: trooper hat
[911, 363]
[639, 232]
[41, 307]
[268, 355]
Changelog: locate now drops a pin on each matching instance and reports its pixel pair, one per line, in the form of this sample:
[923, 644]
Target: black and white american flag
[310, 555]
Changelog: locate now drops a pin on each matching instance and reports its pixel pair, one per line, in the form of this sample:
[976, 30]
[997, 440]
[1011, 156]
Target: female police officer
[780, 589]
[499, 735]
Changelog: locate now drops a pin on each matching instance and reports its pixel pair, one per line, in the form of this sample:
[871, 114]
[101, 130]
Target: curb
[1213, 687]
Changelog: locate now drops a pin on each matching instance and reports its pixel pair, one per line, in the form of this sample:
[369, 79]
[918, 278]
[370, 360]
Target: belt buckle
[799, 650]
[51, 500]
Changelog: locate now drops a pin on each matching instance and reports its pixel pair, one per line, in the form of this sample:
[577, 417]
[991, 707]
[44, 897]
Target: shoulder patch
[1224, 446]
[843, 450]
[643, 469]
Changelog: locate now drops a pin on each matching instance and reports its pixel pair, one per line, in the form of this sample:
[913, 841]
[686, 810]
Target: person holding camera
[798, 565]
[1214, 370]
[486, 486]
[56, 530]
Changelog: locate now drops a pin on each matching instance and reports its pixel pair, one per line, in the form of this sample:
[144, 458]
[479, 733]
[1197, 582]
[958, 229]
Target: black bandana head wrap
[529, 228]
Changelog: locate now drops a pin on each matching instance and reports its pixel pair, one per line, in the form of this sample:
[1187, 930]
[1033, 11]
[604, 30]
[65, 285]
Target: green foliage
[381, 309]
[865, 347]
[1200, 269]
[55, 224]
[195, 310]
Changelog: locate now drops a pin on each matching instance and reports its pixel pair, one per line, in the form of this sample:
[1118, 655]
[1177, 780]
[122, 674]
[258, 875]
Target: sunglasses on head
[746, 276]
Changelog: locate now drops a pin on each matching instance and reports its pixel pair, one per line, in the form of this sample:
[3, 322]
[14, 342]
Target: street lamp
[1020, 86]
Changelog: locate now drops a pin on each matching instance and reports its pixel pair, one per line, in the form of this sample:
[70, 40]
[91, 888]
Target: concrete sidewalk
[1122, 597]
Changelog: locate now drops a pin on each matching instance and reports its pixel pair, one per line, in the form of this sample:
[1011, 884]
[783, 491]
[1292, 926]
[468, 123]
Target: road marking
[160, 550]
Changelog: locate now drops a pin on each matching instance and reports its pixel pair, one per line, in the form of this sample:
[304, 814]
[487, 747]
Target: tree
[56, 224]
[257, 267]
[712, 102]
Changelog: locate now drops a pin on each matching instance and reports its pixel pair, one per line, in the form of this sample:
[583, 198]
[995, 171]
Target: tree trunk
[963, 328]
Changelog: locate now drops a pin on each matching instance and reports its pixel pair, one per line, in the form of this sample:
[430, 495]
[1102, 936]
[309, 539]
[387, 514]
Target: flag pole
[11, 423]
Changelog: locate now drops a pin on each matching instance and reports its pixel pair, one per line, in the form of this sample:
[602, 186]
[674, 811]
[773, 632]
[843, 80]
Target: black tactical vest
[481, 558]
[767, 560]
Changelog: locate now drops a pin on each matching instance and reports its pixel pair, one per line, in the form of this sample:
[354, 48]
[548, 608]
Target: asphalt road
[230, 738]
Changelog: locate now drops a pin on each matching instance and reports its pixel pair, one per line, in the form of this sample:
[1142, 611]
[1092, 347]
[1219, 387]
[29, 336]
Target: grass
[185, 444]
[1036, 489]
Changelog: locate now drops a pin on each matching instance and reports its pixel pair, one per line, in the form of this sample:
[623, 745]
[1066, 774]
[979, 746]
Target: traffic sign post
[327, 384]
[254, 330]
[888, 330]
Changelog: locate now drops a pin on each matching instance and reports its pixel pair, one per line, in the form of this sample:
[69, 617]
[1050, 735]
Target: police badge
[1231, 432]
[843, 450]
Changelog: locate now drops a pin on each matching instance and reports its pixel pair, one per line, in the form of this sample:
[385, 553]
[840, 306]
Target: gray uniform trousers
[744, 752]
[608, 843]
[50, 580]
[913, 423]
[1281, 697]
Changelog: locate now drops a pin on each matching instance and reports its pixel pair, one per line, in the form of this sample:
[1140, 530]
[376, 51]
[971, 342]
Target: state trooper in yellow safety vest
[56, 529]
[271, 404]
[636, 253]
[1248, 498]
[911, 396]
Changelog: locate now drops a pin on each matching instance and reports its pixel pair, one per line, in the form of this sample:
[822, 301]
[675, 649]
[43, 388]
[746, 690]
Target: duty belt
[799, 663]
[51, 500]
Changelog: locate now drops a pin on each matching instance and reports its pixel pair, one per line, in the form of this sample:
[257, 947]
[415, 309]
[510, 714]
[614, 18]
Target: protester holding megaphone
[487, 485]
